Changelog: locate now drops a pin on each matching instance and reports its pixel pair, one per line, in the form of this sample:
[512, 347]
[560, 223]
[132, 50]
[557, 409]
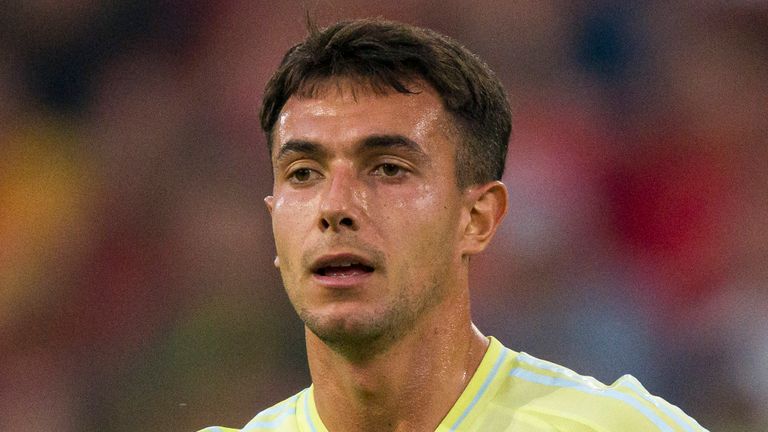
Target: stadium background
[136, 284]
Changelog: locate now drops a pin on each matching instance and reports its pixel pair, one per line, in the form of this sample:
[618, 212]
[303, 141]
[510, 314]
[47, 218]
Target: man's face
[366, 211]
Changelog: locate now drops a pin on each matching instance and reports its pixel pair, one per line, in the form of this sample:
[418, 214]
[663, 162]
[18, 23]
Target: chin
[338, 329]
[353, 329]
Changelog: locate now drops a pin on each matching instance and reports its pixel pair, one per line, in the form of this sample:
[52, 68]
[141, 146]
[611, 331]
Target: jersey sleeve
[669, 417]
[560, 397]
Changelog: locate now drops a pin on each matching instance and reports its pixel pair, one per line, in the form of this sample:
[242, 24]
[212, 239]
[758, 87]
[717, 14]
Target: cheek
[421, 197]
[290, 220]
[417, 201]
[426, 219]
[290, 212]
[294, 201]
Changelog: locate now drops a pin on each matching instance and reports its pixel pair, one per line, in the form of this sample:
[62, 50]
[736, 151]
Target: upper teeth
[345, 264]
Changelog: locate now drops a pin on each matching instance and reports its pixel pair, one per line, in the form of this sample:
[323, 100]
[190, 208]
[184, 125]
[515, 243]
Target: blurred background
[136, 283]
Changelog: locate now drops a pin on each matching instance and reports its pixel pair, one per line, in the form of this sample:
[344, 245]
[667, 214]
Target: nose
[341, 203]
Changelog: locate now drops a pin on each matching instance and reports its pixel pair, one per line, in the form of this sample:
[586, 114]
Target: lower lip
[347, 281]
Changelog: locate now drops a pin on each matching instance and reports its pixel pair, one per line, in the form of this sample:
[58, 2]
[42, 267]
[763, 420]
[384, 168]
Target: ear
[487, 205]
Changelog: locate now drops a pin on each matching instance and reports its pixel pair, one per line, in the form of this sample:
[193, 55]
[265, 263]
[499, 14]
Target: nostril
[335, 223]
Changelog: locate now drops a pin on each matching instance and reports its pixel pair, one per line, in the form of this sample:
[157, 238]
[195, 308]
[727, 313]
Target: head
[387, 143]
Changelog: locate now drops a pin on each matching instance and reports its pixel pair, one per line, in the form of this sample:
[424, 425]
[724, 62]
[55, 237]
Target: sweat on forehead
[353, 88]
[345, 109]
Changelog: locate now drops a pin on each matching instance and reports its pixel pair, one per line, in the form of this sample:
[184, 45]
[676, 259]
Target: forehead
[342, 111]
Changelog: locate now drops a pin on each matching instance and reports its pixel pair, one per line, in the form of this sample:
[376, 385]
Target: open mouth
[341, 266]
[345, 269]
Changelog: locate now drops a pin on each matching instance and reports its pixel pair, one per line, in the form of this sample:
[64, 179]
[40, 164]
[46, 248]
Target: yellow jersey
[513, 391]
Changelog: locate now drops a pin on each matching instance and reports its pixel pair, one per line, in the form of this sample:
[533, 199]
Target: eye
[389, 170]
[302, 175]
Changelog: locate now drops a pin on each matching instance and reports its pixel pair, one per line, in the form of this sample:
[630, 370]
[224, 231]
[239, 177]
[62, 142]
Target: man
[387, 144]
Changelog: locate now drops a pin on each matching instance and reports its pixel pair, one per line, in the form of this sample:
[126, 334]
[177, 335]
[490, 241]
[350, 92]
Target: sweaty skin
[373, 240]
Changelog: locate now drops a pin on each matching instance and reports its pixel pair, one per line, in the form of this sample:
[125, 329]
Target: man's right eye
[302, 175]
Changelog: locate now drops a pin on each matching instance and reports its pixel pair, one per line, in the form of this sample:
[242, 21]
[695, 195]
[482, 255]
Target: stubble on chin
[367, 334]
[356, 336]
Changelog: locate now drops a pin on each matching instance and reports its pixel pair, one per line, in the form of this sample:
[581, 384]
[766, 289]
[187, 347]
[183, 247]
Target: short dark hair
[386, 56]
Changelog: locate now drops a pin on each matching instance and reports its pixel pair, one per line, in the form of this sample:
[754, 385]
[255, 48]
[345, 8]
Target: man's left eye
[389, 170]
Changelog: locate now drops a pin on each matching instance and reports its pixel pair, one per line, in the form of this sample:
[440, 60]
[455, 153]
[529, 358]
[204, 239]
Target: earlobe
[269, 200]
[488, 205]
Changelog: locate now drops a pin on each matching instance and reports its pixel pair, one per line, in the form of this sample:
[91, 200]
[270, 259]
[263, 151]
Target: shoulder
[280, 417]
[544, 392]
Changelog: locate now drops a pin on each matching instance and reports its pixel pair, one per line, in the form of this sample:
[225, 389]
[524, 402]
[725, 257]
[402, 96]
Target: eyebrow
[383, 142]
[369, 143]
[308, 148]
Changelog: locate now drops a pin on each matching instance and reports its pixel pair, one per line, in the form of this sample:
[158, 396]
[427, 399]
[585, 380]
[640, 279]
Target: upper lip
[340, 259]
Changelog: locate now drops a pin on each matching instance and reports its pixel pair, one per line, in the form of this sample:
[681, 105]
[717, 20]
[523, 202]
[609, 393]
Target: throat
[409, 387]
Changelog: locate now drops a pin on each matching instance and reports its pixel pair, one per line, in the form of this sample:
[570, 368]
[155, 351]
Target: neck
[408, 386]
